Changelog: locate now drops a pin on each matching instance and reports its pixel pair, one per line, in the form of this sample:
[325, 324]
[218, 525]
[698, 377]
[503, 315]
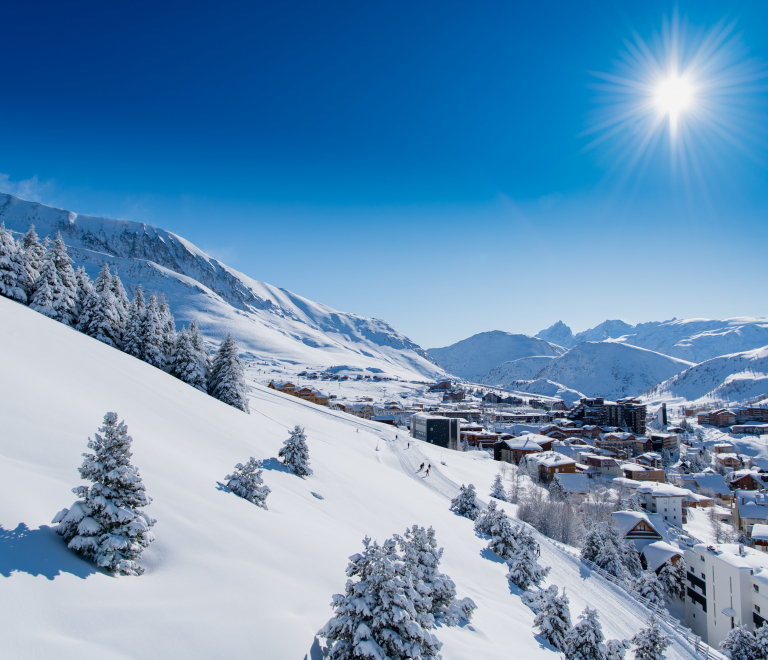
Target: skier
[429, 466]
[409, 445]
[421, 467]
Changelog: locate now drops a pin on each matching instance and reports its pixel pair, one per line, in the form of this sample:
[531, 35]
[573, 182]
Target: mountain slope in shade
[558, 333]
[268, 322]
[544, 387]
[522, 369]
[737, 378]
[609, 369]
[477, 355]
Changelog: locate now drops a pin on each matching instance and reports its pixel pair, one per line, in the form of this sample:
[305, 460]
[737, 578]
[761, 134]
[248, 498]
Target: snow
[222, 573]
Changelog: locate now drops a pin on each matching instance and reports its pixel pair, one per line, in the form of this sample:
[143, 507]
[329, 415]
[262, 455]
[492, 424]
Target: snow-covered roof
[760, 532]
[553, 459]
[695, 497]
[574, 483]
[722, 445]
[620, 436]
[761, 575]
[659, 553]
[625, 521]
[632, 467]
[753, 511]
[712, 481]
[629, 483]
[662, 490]
[523, 443]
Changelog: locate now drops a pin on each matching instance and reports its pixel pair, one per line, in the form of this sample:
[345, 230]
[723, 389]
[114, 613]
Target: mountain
[544, 387]
[522, 369]
[473, 357]
[270, 324]
[222, 573]
[695, 340]
[612, 370]
[737, 378]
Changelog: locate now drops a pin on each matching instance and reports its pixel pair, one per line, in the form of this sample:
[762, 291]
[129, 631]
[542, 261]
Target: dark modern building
[440, 431]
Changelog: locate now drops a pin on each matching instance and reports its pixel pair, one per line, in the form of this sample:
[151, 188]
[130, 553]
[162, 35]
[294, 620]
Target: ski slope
[225, 578]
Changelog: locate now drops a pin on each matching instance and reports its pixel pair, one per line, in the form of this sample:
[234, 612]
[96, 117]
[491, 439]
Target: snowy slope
[477, 355]
[695, 340]
[522, 369]
[612, 370]
[271, 323]
[544, 387]
[741, 377]
[225, 578]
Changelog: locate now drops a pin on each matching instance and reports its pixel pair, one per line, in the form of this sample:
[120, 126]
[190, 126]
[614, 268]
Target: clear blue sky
[425, 163]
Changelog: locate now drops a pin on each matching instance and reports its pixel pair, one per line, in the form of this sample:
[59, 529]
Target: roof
[629, 483]
[723, 444]
[760, 533]
[633, 467]
[574, 483]
[712, 481]
[620, 436]
[695, 497]
[753, 511]
[553, 459]
[662, 490]
[659, 553]
[524, 443]
[625, 521]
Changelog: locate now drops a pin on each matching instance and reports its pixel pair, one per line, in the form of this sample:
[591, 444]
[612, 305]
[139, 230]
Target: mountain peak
[558, 333]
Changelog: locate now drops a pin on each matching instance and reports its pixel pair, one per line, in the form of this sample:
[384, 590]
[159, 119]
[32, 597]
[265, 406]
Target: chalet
[576, 486]
[666, 500]
[748, 480]
[442, 385]
[642, 474]
[721, 417]
[711, 483]
[750, 508]
[659, 553]
[754, 428]
[454, 395]
[641, 528]
[552, 463]
[604, 466]
[650, 460]
[558, 432]
[731, 461]
[284, 386]
[591, 431]
[362, 410]
[760, 537]
[697, 501]
[513, 449]
[482, 439]
[723, 448]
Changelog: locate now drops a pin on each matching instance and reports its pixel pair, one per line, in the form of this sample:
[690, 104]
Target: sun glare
[673, 95]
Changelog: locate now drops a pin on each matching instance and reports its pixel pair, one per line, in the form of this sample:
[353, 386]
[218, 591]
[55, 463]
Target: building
[723, 448]
[307, 393]
[760, 542]
[454, 395]
[731, 461]
[551, 463]
[748, 480]
[754, 428]
[603, 466]
[640, 527]
[750, 508]
[284, 386]
[624, 413]
[666, 500]
[650, 460]
[711, 483]
[641, 473]
[513, 450]
[661, 441]
[721, 417]
[624, 443]
[482, 439]
[442, 385]
[440, 431]
[727, 584]
[576, 486]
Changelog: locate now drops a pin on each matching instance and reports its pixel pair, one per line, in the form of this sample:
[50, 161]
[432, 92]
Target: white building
[666, 500]
[727, 584]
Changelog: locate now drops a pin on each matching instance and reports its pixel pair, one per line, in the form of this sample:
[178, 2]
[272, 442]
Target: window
[756, 588]
[757, 609]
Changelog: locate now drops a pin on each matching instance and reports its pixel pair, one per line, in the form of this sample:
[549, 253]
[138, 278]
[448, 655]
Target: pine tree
[12, 274]
[203, 354]
[465, 503]
[121, 303]
[584, 641]
[556, 491]
[167, 329]
[295, 453]
[673, 578]
[497, 490]
[615, 649]
[740, 644]
[525, 570]
[98, 318]
[246, 482]
[33, 253]
[227, 381]
[604, 546]
[488, 518]
[185, 363]
[47, 290]
[554, 619]
[84, 287]
[152, 334]
[761, 642]
[505, 539]
[65, 300]
[133, 337]
[648, 586]
[421, 558]
[650, 642]
[591, 543]
[376, 617]
[631, 558]
[107, 525]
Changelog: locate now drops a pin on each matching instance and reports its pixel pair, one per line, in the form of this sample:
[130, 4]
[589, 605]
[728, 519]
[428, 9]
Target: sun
[674, 94]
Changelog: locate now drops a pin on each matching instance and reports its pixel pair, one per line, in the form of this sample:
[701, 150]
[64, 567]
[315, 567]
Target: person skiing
[421, 467]
[429, 466]
[409, 445]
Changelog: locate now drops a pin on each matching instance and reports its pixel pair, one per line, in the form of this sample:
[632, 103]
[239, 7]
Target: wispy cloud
[32, 190]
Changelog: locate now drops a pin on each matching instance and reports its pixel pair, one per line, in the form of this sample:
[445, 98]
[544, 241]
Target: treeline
[40, 275]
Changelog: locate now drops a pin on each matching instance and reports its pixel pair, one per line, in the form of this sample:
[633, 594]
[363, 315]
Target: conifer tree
[631, 558]
[227, 381]
[585, 640]
[203, 355]
[121, 303]
[673, 578]
[376, 616]
[497, 490]
[616, 649]
[465, 503]
[152, 334]
[167, 329]
[649, 587]
[246, 482]
[504, 538]
[106, 525]
[591, 543]
[47, 290]
[98, 318]
[12, 274]
[33, 252]
[525, 570]
[295, 453]
[65, 301]
[133, 337]
[185, 363]
[556, 491]
[554, 619]
[84, 287]
[740, 644]
[761, 641]
[650, 643]
[489, 519]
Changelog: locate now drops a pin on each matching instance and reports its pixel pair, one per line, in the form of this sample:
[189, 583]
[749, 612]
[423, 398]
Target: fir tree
[227, 381]
[740, 644]
[98, 318]
[107, 525]
[121, 303]
[556, 491]
[465, 503]
[673, 578]
[648, 586]
[525, 570]
[84, 287]
[497, 490]
[650, 642]
[488, 518]
[615, 649]
[761, 641]
[504, 538]
[12, 274]
[585, 640]
[295, 453]
[185, 363]
[133, 337]
[152, 334]
[591, 543]
[33, 253]
[246, 482]
[203, 354]
[167, 329]
[631, 559]
[47, 290]
[376, 617]
[65, 300]
[554, 619]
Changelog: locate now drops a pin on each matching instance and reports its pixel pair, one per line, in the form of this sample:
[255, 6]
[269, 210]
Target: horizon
[407, 163]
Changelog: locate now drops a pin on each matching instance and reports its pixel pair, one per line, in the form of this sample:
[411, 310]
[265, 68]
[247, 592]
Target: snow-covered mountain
[737, 378]
[695, 340]
[544, 387]
[270, 323]
[522, 369]
[477, 355]
[608, 369]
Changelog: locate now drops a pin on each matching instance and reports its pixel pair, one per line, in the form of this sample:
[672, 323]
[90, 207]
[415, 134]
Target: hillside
[522, 369]
[544, 387]
[474, 357]
[224, 577]
[737, 378]
[612, 370]
[273, 324]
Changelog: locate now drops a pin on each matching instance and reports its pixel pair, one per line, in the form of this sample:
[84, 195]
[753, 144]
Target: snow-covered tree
[47, 290]
[185, 363]
[488, 517]
[761, 641]
[122, 304]
[649, 587]
[525, 570]
[650, 643]
[84, 287]
[673, 578]
[554, 619]
[376, 617]
[421, 558]
[203, 354]
[152, 334]
[33, 252]
[504, 537]
[12, 274]
[99, 318]
[556, 491]
[497, 490]
[246, 482]
[295, 453]
[591, 543]
[585, 640]
[740, 644]
[227, 381]
[65, 300]
[106, 525]
[465, 503]
[603, 546]
[167, 328]
[615, 649]
[133, 337]
[631, 558]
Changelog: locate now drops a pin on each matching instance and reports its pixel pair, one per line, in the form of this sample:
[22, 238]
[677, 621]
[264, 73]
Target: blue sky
[431, 163]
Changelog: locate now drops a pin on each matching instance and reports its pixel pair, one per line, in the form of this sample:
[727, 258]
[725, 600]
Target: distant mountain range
[269, 323]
